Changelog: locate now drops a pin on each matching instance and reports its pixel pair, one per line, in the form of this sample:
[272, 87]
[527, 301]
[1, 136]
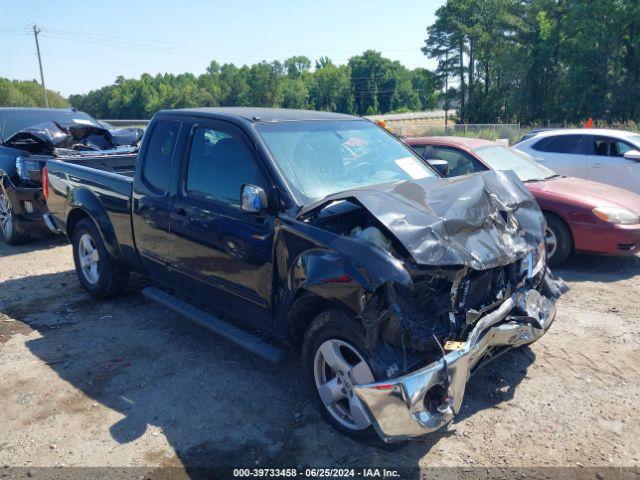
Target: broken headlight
[539, 258]
[535, 261]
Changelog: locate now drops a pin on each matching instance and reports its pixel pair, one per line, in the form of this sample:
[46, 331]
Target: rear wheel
[98, 273]
[334, 361]
[558, 239]
[12, 231]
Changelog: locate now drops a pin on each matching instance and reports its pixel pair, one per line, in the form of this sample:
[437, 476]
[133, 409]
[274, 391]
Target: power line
[172, 42]
[155, 46]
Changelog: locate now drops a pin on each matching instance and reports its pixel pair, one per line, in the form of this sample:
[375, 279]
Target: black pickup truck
[325, 234]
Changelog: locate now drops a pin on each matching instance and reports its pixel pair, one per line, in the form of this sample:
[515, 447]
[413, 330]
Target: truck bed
[118, 163]
[102, 184]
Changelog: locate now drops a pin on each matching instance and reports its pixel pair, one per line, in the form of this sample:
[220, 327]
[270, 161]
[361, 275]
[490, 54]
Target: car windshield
[319, 158]
[502, 158]
[635, 139]
[12, 121]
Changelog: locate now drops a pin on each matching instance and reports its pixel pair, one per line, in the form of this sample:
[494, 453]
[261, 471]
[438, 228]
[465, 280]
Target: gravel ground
[127, 383]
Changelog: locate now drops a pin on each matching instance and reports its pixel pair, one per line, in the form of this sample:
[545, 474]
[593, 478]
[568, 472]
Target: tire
[11, 230]
[346, 334]
[558, 233]
[98, 273]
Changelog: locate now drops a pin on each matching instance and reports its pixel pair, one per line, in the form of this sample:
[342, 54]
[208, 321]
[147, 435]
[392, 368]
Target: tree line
[498, 61]
[539, 61]
[368, 84]
[27, 93]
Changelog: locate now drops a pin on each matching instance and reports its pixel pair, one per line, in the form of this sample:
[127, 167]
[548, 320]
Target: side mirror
[442, 166]
[632, 155]
[254, 199]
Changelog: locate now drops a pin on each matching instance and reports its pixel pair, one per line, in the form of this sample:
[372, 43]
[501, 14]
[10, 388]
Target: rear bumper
[428, 399]
[28, 204]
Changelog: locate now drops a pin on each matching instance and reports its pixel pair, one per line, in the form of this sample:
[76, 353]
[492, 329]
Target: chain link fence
[489, 131]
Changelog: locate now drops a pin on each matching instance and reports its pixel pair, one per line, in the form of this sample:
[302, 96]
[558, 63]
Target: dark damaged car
[30, 136]
[326, 235]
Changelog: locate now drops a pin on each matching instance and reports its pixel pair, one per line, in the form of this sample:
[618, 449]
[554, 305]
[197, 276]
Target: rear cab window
[157, 162]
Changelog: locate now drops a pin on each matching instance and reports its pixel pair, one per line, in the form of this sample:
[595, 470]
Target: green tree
[25, 93]
[540, 61]
[331, 88]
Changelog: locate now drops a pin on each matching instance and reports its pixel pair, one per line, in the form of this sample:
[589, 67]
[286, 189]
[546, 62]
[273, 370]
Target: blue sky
[85, 45]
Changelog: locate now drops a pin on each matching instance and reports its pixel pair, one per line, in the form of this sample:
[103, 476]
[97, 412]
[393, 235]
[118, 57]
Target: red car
[582, 216]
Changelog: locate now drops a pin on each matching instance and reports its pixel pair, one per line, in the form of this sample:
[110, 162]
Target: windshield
[635, 139]
[319, 158]
[12, 121]
[503, 158]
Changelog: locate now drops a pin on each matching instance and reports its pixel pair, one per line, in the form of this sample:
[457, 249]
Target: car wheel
[334, 361]
[12, 231]
[558, 239]
[98, 273]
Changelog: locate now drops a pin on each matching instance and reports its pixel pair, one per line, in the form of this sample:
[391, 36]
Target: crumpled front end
[427, 399]
[445, 274]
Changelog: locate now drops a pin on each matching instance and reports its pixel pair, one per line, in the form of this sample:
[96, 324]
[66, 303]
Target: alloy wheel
[6, 217]
[552, 242]
[337, 368]
[88, 257]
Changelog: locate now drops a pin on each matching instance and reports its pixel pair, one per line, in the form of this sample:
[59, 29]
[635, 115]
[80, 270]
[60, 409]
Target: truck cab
[188, 218]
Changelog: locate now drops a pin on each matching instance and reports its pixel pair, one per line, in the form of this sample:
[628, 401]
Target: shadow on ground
[215, 404]
[594, 268]
[44, 243]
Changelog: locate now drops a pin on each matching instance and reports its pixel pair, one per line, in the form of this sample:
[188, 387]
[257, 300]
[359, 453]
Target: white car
[601, 155]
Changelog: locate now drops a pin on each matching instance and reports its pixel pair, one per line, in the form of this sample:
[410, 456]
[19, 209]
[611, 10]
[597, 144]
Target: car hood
[591, 194]
[482, 220]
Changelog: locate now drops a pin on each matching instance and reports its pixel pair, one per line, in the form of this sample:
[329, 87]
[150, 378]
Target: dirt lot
[126, 383]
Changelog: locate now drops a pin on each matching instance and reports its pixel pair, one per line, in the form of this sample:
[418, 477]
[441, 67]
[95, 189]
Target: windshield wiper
[555, 175]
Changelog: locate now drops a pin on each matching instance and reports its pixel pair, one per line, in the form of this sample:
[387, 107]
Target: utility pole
[36, 31]
[446, 92]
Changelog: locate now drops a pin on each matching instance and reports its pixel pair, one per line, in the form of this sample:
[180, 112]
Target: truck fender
[337, 271]
[82, 199]
[329, 275]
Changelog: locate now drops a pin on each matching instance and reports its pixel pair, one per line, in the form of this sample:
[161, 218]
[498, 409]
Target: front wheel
[334, 361]
[558, 240]
[98, 273]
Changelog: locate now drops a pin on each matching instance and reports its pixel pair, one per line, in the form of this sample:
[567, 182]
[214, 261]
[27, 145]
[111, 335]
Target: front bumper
[404, 407]
[607, 239]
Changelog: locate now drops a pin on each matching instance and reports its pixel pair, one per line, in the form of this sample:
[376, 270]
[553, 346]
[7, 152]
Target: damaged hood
[45, 138]
[481, 220]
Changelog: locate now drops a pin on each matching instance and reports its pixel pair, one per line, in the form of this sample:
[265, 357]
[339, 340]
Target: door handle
[180, 216]
[597, 165]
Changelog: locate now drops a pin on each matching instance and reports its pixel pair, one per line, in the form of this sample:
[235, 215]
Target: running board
[240, 337]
